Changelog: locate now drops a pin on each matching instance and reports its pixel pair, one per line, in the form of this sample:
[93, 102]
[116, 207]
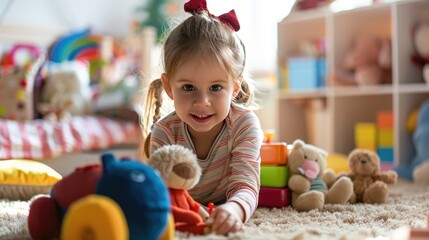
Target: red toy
[179, 168]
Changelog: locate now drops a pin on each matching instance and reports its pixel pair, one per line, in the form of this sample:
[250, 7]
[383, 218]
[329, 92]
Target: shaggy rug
[408, 205]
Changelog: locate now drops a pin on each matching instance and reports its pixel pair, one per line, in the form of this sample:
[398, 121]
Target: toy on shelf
[66, 91]
[369, 183]
[179, 168]
[421, 45]
[119, 200]
[417, 169]
[367, 62]
[17, 81]
[310, 184]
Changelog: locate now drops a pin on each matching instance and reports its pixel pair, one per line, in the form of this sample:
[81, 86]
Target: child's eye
[216, 88]
[188, 87]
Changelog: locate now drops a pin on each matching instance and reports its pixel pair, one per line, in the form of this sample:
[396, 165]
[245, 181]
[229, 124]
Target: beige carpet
[407, 206]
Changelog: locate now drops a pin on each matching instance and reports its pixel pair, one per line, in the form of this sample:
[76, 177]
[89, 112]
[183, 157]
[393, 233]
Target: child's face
[202, 94]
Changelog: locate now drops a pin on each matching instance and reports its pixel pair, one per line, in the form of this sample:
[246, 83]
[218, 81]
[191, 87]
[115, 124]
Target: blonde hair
[205, 37]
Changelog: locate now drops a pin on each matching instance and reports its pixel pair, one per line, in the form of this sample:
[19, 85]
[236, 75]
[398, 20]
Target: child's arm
[244, 181]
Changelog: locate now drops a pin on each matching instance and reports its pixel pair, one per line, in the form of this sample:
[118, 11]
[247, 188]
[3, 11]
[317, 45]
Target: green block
[274, 176]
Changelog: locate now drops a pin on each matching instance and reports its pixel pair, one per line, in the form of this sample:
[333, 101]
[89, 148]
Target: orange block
[274, 153]
[385, 120]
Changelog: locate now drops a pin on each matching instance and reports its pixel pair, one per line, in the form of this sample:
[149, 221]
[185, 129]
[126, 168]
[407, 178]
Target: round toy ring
[95, 217]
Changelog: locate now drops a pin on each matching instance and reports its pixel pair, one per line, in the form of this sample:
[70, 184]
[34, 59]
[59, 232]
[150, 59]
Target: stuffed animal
[180, 170]
[367, 62]
[415, 169]
[66, 91]
[72, 211]
[421, 45]
[307, 164]
[369, 183]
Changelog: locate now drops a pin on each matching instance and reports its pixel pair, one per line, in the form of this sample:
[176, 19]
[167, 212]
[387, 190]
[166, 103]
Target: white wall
[104, 16]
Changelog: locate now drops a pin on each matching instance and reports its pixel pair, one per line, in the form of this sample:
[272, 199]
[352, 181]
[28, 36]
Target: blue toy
[121, 200]
[421, 144]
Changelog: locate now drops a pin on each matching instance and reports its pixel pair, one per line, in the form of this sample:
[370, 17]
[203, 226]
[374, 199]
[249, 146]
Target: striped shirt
[231, 170]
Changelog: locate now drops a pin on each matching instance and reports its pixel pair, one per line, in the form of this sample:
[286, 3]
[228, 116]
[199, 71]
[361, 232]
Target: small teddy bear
[370, 184]
[307, 164]
[179, 168]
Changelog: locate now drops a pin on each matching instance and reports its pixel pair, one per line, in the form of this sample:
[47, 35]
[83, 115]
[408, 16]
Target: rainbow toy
[79, 45]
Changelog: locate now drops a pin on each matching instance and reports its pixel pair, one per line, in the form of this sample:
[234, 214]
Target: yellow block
[366, 135]
[385, 137]
[337, 162]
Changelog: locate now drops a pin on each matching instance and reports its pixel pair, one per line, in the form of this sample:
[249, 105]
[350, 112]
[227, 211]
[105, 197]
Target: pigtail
[152, 106]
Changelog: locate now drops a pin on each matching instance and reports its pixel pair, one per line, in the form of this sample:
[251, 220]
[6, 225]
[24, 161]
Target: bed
[64, 145]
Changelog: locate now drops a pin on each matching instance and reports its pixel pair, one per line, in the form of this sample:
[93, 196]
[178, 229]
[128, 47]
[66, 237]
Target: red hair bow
[228, 18]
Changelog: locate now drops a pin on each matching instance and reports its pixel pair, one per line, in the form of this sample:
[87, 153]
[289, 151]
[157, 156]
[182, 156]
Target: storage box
[306, 73]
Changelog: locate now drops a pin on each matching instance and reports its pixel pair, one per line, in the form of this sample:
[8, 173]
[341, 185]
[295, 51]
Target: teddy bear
[179, 168]
[417, 169]
[421, 46]
[309, 181]
[367, 62]
[369, 183]
[66, 92]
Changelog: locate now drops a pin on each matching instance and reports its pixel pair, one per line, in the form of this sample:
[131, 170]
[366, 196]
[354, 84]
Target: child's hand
[226, 218]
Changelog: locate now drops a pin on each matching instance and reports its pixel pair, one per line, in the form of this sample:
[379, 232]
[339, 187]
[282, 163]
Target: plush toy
[421, 45]
[309, 190]
[370, 184]
[180, 170]
[66, 91]
[415, 169]
[73, 211]
[367, 62]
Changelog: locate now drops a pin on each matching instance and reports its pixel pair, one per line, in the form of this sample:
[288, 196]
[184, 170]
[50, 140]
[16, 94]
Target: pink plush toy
[370, 60]
[421, 45]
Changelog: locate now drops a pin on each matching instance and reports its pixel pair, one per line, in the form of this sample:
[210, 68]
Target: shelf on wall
[413, 88]
[299, 94]
[362, 90]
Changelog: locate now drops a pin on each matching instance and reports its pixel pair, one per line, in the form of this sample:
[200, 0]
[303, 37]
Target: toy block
[274, 153]
[274, 176]
[365, 135]
[385, 154]
[274, 197]
[386, 166]
[385, 137]
[337, 162]
[385, 120]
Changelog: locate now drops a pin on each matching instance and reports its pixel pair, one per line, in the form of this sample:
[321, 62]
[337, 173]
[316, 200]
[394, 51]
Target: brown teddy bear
[370, 184]
[179, 168]
[309, 181]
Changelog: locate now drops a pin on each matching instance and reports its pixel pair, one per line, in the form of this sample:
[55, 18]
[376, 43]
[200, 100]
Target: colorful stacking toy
[274, 175]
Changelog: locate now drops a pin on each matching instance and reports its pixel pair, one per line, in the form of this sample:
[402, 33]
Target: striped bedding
[39, 139]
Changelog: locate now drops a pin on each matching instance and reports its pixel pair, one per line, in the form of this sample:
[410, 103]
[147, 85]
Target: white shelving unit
[345, 106]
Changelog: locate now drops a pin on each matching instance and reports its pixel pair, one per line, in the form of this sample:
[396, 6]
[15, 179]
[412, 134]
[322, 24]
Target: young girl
[205, 77]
